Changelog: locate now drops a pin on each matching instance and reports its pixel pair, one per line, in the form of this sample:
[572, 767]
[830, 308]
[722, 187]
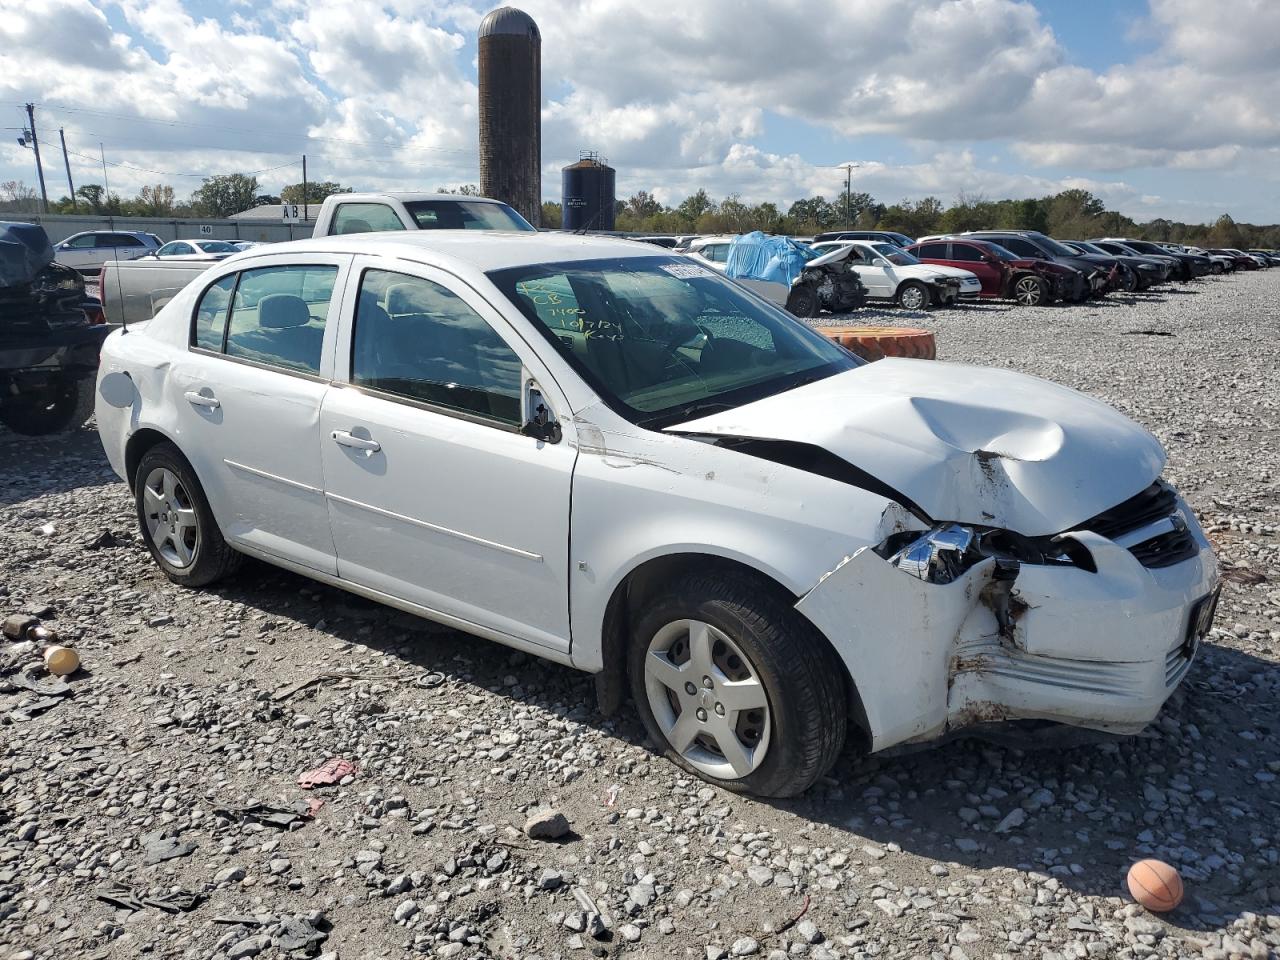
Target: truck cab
[345, 213]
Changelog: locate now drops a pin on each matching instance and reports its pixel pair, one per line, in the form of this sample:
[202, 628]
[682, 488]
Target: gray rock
[248, 947]
[406, 910]
[745, 947]
[546, 825]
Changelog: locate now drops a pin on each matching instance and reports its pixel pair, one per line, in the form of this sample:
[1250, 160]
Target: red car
[1003, 274]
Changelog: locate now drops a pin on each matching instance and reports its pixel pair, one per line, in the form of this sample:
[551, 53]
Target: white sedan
[890, 273]
[770, 543]
[196, 250]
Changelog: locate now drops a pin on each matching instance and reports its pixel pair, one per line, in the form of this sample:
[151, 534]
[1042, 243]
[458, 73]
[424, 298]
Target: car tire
[1216, 269]
[64, 408]
[176, 521]
[913, 295]
[740, 629]
[1128, 281]
[802, 301]
[1030, 290]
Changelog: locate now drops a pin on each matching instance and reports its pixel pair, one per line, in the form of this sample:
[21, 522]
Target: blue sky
[1160, 107]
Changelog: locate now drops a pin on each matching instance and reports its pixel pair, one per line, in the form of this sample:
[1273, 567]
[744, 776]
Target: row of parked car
[88, 251]
[1021, 265]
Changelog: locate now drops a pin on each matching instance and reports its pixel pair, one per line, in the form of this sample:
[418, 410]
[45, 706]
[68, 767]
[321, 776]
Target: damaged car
[892, 273]
[774, 549]
[50, 334]
[790, 274]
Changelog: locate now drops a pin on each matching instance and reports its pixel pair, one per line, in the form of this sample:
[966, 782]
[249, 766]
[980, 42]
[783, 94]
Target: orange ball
[1155, 885]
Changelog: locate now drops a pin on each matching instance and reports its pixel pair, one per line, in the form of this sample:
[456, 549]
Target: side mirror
[542, 427]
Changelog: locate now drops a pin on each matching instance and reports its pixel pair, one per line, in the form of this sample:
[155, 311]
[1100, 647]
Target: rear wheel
[738, 688]
[913, 295]
[176, 521]
[1216, 269]
[1030, 291]
[65, 405]
[1128, 281]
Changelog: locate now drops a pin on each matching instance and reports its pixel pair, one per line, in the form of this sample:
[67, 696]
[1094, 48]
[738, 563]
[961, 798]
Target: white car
[89, 251]
[770, 541]
[890, 273]
[196, 249]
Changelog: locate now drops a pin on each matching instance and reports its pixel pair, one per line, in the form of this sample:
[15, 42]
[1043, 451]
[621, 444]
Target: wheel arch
[139, 442]
[650, 575]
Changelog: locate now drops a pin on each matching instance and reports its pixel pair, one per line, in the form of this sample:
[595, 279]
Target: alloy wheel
[1027, 291]
[912, 298]
[171, 518]
[707, 699]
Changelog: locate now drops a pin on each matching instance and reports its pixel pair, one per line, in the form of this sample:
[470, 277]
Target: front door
[248, 395]
[434, 494]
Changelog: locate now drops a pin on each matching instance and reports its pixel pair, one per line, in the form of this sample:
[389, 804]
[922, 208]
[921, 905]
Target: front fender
[644, 496]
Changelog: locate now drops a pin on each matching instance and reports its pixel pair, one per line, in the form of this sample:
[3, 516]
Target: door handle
[358, 443]
[202, 400]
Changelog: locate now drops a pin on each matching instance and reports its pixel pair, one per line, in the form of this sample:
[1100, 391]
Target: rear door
[971, 258]
[435, 496]
[248, 395]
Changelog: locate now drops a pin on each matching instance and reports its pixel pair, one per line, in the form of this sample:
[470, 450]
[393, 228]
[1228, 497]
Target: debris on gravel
[152, 808]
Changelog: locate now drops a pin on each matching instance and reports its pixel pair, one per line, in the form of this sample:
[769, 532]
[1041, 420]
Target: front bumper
[1102, 650]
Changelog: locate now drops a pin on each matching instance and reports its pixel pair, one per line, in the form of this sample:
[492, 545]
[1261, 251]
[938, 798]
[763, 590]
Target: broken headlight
[943, 554]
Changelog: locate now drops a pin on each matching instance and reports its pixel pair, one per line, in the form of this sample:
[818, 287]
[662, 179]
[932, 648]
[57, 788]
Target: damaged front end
[832, 286]
[963, 624]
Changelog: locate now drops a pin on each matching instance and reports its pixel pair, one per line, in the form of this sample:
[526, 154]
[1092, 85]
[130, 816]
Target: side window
[365, 218]
[84, 242]
[1021, 247]
[962, 251]
[418, 340]
[938, 251]
[278, 316]
[210, 321]
[122, 240]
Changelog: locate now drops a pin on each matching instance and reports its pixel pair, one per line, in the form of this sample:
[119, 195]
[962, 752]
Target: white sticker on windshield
[686, 271]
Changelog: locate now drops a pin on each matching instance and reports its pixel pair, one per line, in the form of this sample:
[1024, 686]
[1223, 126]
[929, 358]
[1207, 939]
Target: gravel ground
[970, 849]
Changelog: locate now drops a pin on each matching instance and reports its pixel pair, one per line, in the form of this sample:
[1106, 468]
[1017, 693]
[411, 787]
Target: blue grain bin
[588, 195]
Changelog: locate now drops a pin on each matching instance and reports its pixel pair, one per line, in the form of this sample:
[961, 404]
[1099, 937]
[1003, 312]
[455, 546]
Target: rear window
[465, 215]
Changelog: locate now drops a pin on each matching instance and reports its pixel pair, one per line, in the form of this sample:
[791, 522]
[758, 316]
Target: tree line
[216, 197]
[1071, 214]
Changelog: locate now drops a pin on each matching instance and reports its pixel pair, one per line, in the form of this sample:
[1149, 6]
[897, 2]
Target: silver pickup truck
[133, 290]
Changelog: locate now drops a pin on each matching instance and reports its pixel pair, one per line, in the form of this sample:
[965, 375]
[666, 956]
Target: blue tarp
[758, 256]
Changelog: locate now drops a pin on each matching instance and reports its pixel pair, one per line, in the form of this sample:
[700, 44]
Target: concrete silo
[511, 111]
[587, 194]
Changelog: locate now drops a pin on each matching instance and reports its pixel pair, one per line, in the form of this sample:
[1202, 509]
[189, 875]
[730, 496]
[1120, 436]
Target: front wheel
[1216, 269]
[737, 687]
[802, 301]
[1030, 291]
[1128, 281]
[913, 296]
[176, 521]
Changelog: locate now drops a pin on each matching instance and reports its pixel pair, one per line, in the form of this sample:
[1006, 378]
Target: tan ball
[1155, 885]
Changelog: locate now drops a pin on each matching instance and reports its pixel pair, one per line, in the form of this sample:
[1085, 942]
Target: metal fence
[61, 226]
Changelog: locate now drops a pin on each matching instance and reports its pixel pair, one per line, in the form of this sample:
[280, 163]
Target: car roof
[482, 250]
[409, 197]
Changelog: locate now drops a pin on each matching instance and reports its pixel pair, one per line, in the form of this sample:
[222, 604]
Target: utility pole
[106, 187]
[62, 135]
[848, 189]
[306, 212]
[35, 145]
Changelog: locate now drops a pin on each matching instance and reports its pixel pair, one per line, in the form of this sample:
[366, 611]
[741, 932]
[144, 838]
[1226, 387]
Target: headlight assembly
[943, 554]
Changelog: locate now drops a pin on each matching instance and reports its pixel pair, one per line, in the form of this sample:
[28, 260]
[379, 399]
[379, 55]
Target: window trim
[468, 415]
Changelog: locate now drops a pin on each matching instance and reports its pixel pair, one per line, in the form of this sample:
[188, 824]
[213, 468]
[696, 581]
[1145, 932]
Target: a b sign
[291, 213]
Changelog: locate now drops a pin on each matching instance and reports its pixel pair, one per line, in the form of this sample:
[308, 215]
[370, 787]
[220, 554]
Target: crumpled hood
[967, 444]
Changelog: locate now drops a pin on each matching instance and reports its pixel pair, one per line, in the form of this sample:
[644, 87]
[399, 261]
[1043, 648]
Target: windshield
[215, 246]
[663, 340]
[465, 215]
[1089, 248]
[1057, 249]
[895, 254]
